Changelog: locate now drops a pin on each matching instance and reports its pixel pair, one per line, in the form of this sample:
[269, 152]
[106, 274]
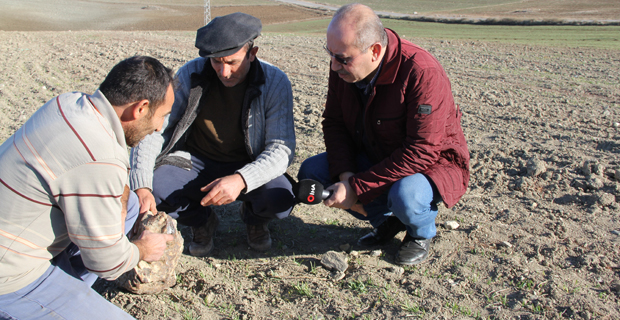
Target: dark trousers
[177, 192]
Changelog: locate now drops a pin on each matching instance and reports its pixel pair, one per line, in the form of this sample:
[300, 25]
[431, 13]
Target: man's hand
[147, 200]
[223, 190]
[152, 245]
[343, 196]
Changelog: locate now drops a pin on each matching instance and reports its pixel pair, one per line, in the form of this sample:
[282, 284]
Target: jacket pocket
[390, 132]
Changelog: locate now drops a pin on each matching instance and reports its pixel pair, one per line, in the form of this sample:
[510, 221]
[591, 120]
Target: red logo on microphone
[310, 198]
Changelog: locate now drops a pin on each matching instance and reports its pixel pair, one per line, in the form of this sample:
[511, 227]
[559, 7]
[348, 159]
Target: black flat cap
[225, 35]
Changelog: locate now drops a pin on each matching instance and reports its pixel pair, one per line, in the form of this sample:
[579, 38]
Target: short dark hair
[138, 78]
[249, 45]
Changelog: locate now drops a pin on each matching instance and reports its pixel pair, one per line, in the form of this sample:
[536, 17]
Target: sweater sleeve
[89, 195]
[279, 133]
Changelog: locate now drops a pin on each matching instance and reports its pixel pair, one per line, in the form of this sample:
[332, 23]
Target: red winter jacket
[406, 135]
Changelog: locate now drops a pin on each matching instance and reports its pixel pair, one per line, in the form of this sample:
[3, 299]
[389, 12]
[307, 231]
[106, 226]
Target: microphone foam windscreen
[310, 191]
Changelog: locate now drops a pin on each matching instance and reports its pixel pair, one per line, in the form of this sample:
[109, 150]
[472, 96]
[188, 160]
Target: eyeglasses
[340, 59]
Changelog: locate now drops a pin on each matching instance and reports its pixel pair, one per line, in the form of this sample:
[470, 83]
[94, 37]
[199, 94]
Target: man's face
[340, 46]
[134, 133]
[232, 70]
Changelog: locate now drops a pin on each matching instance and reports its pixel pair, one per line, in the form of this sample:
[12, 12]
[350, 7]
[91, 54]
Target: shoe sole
[197, 250]
[262, 247]
[403, 263]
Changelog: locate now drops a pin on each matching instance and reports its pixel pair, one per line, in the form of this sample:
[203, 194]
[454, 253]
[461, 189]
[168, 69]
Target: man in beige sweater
[66, 205]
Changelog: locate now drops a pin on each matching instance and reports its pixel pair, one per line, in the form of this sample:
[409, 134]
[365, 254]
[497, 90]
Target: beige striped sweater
[61, 178]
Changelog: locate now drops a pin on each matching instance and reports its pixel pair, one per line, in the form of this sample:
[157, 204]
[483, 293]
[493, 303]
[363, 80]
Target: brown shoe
[259, 237]
[202, 243]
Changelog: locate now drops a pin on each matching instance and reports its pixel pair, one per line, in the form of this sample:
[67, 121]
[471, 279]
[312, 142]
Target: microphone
[310, 191]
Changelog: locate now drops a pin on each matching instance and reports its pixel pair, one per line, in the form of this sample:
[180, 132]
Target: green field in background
[606, 37]
[421, 6]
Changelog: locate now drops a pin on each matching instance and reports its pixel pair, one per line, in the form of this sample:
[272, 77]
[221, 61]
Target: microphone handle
[326, 194]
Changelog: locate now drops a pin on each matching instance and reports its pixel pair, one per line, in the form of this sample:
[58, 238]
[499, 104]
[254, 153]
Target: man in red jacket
[395, 146]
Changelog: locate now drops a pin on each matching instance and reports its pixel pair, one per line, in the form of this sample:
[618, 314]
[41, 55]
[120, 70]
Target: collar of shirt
[366, 87]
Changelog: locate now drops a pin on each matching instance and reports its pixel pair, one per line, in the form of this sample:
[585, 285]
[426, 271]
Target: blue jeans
[177, 192]
[64, 290]
[413, 199]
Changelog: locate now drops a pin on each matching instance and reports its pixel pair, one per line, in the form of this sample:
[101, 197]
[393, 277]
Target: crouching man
[395, 147]
[66, 206]
[230, 137]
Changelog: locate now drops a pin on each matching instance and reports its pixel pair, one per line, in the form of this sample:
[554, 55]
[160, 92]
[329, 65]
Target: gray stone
[598, 169]
[335, 260]
[452, 225]
[595, 183]
[210, 298]
[606, 199]
[398, 271]
[595, 210]
[579, 183]
[586, 168]
[505, 244]
[336, 275]
[375, 253]
[535, 167]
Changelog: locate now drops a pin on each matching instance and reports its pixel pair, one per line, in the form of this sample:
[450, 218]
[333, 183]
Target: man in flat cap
[230, 136]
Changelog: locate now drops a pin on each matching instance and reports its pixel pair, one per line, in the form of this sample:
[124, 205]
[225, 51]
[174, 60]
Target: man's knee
[279, 196]
[315, 167]
[411, 198]
[166, 180]
[306, 171]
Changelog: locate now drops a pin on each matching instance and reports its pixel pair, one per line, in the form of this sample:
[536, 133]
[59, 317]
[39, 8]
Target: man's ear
[253, 53]
[140, 109]
[135, 110]
[376, 51]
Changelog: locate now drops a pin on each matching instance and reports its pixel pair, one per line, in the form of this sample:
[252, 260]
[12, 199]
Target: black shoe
[413, 251]
[383, 233]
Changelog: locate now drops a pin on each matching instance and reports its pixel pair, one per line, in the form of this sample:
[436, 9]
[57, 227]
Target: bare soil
[538, 234]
